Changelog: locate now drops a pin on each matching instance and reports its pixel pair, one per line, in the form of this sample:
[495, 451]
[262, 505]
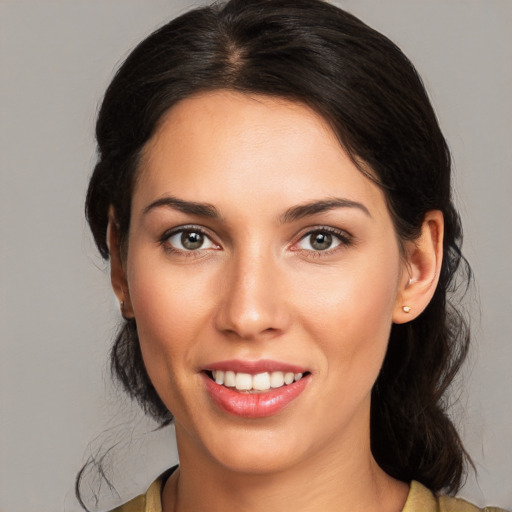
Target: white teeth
[229, 379]
[288, 378]
[259, 382]
[276, 379]
[243, 382]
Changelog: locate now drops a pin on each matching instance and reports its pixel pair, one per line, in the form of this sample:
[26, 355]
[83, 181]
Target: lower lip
[254, 405]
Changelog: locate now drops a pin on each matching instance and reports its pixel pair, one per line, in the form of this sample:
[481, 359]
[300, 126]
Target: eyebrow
[190, 207]
[292, 214]
[312, 208]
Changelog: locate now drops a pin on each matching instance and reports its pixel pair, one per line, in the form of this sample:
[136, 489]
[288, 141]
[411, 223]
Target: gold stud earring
[406, 309]
[124, 314]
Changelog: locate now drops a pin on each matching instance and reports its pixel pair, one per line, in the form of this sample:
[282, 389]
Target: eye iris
[192, 240]
[321, 241]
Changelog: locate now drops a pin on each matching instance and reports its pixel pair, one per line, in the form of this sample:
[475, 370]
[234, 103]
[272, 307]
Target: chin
[257, 459]
[245, 449]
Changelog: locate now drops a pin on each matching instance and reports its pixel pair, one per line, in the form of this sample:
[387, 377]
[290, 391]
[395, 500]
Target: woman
[273, 192]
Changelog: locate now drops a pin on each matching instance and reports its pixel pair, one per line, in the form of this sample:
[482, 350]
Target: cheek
[168, 301]
[169, 317]
[357, 293]
[352, 317]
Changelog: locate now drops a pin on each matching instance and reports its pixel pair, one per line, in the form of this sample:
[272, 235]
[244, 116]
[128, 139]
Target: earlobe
[117, 267]
[422, 267]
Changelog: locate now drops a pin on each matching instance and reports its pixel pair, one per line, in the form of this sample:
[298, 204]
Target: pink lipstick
[254, 389]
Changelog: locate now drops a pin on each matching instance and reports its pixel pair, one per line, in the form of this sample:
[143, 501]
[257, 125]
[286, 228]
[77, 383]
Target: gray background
[57, 313]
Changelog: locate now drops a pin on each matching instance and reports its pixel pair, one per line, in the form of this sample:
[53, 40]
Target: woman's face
[256, 247]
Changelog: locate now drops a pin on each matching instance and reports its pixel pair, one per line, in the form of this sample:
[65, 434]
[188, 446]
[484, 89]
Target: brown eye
[192, 240]
[186, 240]
[320, 241]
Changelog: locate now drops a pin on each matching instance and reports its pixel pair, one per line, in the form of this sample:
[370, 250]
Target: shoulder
[149, 502]
[421, 499]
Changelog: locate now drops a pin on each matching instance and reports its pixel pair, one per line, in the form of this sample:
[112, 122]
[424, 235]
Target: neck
[342, 480]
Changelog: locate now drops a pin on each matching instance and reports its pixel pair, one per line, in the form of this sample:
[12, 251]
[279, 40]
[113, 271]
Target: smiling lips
[254, 389]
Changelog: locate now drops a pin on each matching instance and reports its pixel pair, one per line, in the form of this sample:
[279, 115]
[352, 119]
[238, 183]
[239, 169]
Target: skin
[258, 289]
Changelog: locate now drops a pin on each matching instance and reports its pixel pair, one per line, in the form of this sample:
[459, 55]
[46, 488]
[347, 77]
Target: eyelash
[164, 241]
[344, 239]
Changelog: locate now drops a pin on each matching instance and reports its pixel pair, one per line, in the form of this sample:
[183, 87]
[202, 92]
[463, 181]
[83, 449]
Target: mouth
[254, 389]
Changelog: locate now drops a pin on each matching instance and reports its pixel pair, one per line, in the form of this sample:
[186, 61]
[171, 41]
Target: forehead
[248, 120]
[224, 144]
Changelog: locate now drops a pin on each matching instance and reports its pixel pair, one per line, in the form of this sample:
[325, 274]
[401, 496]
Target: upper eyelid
[342, 233]
[187, 227]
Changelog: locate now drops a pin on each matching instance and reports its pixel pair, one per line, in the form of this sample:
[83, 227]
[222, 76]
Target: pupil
[192, 240]
[321, 241]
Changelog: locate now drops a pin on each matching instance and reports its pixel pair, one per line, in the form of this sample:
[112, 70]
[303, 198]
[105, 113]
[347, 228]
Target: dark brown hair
[311, 52]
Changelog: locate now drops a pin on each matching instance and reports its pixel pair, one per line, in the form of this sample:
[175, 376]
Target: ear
[117, 266]
[421, 269]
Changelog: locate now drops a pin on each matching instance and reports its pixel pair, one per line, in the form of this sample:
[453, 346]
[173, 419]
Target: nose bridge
[251, 303]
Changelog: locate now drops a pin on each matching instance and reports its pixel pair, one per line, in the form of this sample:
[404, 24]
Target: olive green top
[420, 499]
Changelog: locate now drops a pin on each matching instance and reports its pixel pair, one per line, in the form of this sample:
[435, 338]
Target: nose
[252, 303]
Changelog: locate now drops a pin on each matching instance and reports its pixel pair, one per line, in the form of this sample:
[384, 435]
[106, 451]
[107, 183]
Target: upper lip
[254, 367]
